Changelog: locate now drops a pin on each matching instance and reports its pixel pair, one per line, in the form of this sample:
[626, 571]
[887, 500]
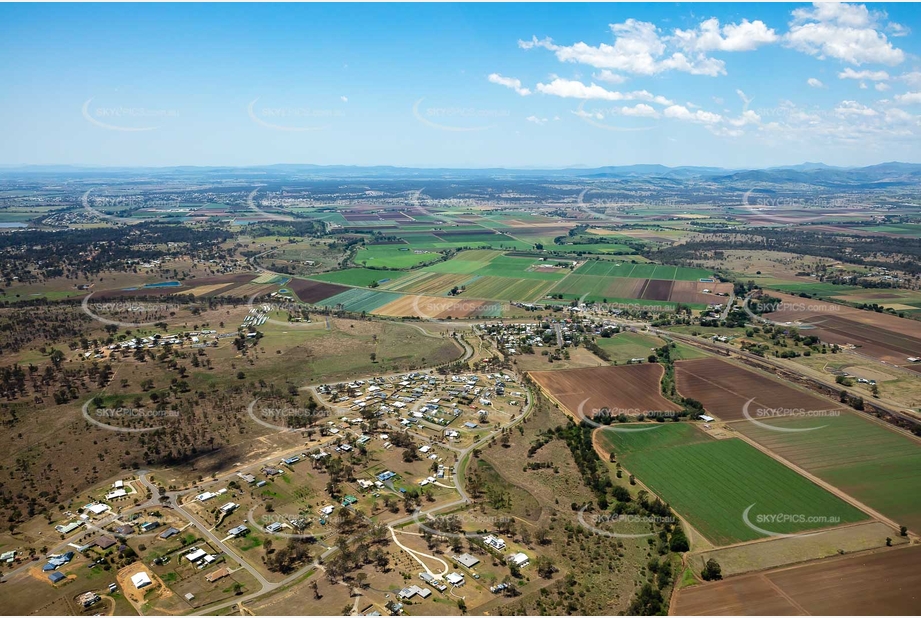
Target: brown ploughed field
[724, 388]
[627, 389]
[881, 583]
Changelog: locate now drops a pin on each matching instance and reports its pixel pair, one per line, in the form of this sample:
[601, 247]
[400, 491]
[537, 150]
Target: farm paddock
[626, 389]
[724, 388]
[881, 583]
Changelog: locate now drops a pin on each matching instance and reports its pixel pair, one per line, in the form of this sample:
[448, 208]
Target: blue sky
[512, 85]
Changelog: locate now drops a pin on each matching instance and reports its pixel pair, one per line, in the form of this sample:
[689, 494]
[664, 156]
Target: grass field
[506, 288]
[712, 482]
[363, 277]
[624, 346]
[392, 256]
[642, 271]
[874, 464]
[357, 300]
[492, 263]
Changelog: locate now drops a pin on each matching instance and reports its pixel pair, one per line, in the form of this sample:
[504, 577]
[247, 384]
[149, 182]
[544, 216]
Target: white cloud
[344, 99]
[815, 83]
[680, 112]
[863, 86]
[747, 117]
[909, 98]
[875, 76]
[637, 48]
[641, 110]
[848, 32]
[853, 108]
[509, 82]
[536, 120]
[896, 115]
[573, 89]
[881, 86]
[912, 79]
[744, 36]
[607, 76]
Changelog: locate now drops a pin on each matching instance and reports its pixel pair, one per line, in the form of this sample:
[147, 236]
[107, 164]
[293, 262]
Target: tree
[679, 542]
[712, 571]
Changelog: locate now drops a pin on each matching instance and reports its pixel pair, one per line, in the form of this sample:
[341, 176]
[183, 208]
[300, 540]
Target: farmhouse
[494, 542]
[455, 579]
[195, 555]
[519, 560]
[467, 561]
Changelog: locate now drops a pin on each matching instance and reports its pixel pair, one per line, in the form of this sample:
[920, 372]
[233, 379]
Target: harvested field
[878, 335]
[428, 283]
[724, 388]
[439, 307]
[656, 290]
[507, 288]
[882, 583]
[626, 389]
[314, 291]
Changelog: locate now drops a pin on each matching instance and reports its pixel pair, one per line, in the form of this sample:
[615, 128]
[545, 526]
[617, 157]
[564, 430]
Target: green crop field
[713, 482]
[876, 465]
[393, 256]
[816, 289]
[497, 266]
[624, 346]
[642, 271]
[363, 277]
[358, 300]
[609, 248]
[506, 288]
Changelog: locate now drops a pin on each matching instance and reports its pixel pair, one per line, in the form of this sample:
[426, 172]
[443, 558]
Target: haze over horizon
[739, 86]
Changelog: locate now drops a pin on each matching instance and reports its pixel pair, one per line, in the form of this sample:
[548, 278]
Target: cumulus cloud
[638, 48]
[875, 76]
[574, 89]
[640, 110]
[581, 113]
[909, 98]
[881, 86]
[344, 99]
[709, 36]
[853, 108]
[912, 79]
[815, 83]
[680, 112]
[607, 76]
[509, 82]
[536, 120]
[848, 32]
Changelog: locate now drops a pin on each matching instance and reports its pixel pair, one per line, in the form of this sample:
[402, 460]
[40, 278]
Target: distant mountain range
[816, 174]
